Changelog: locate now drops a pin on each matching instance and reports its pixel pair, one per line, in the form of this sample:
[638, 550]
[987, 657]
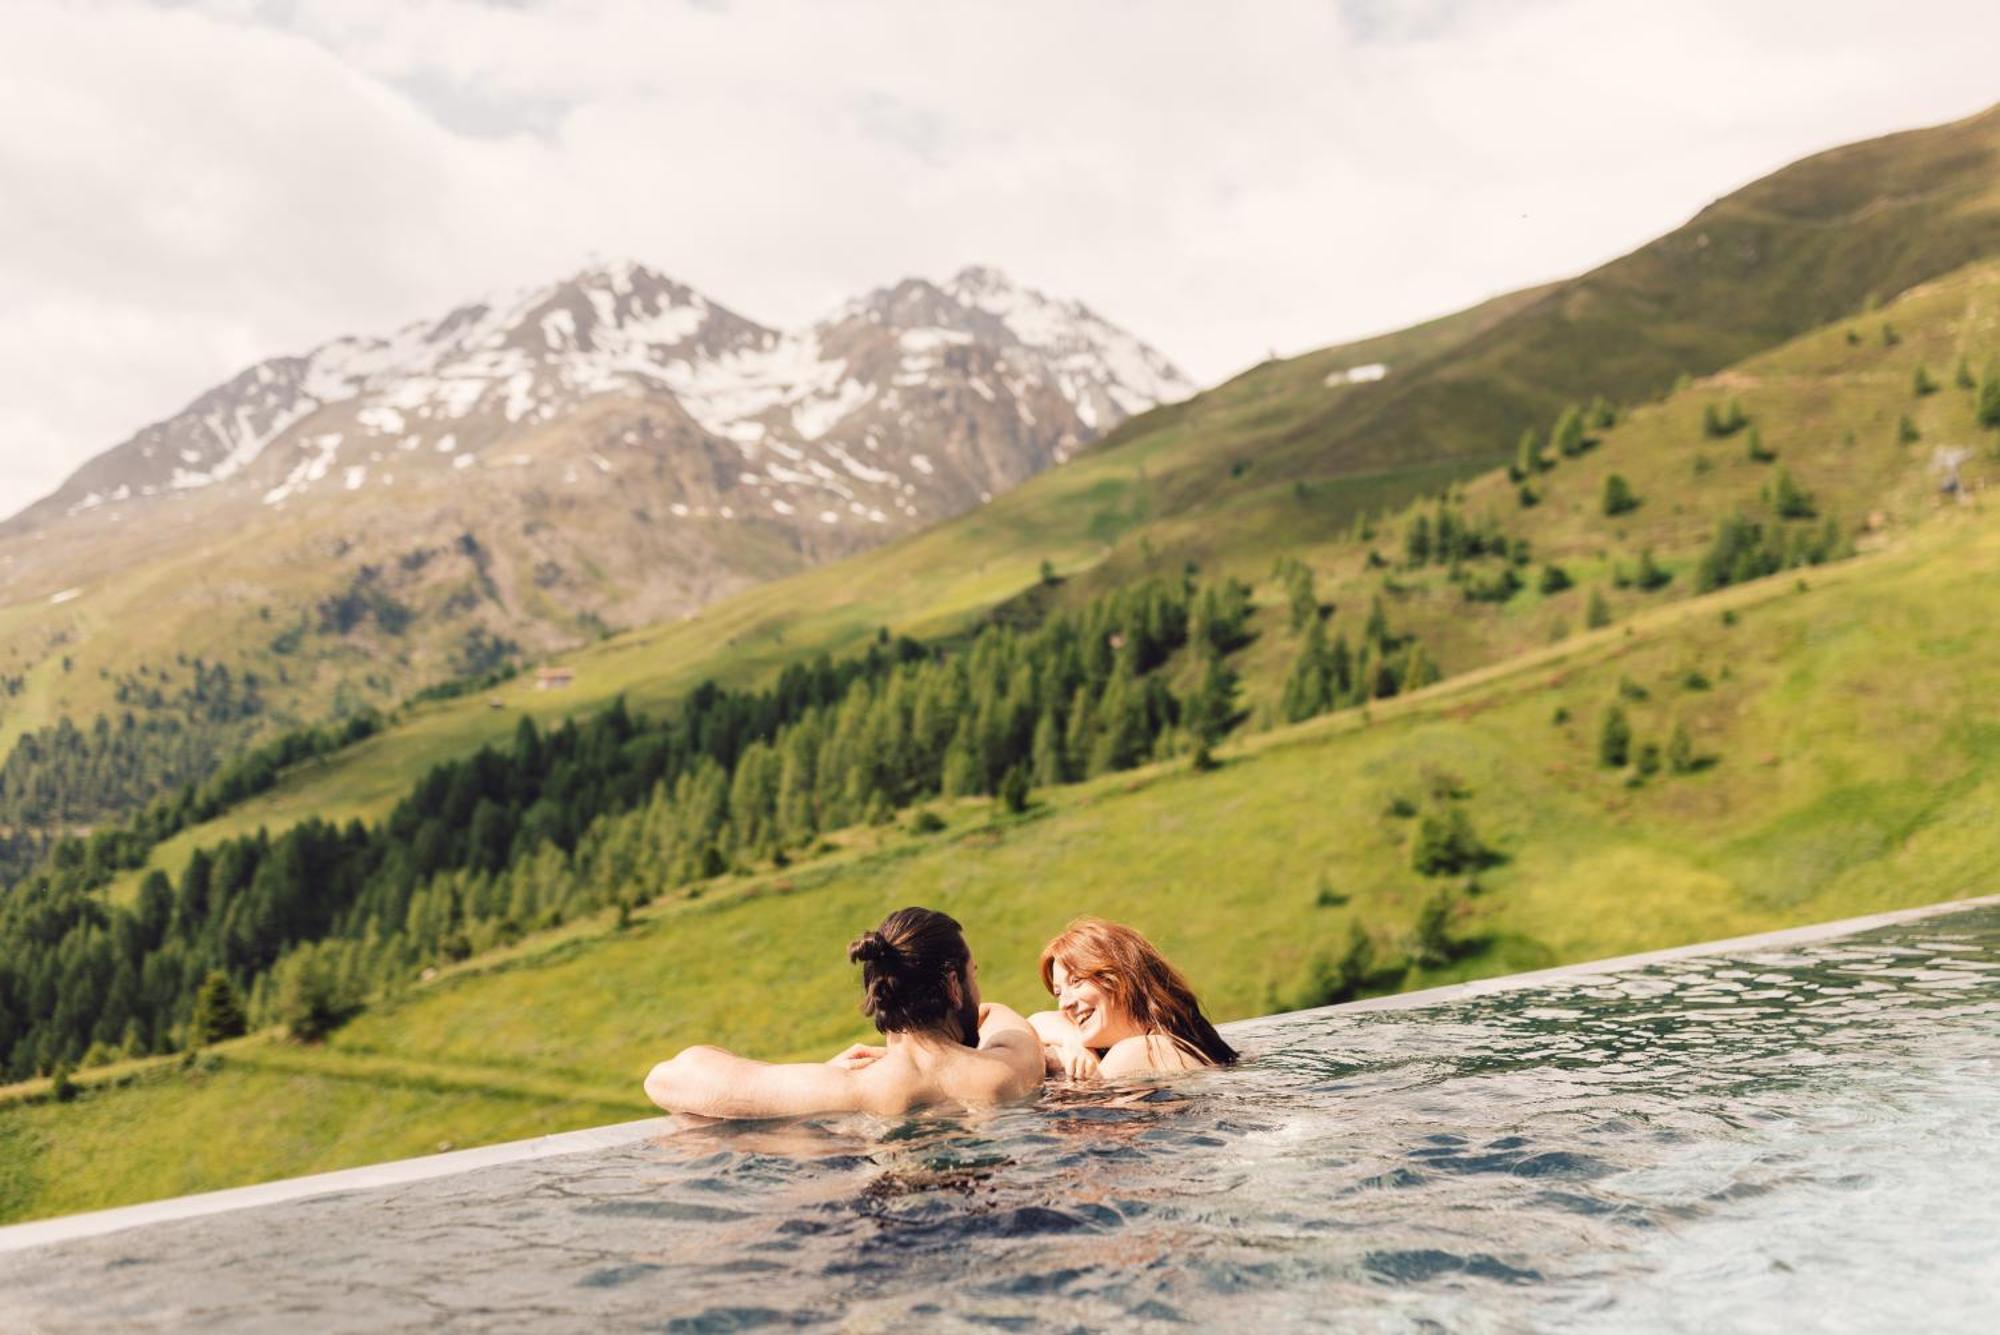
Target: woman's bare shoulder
[1147, 1052]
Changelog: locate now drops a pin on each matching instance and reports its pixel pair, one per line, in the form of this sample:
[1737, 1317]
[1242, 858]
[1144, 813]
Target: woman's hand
[857, 1056]
[1070, 1059]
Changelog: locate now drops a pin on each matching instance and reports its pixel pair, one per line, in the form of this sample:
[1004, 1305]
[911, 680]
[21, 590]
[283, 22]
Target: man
[921, 988]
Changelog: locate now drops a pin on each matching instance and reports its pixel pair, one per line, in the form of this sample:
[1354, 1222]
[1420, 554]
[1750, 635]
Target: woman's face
[1097, 1015]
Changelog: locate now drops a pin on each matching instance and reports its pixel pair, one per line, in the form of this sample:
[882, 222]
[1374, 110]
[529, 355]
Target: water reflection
[1800, 1137]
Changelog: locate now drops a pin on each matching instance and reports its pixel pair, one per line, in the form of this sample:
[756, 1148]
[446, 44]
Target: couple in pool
[1121, 1009]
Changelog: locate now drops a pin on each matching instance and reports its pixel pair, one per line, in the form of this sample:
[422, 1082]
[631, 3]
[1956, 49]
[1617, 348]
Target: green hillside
[1844, 764]
[1808, 399]
[1239, 474]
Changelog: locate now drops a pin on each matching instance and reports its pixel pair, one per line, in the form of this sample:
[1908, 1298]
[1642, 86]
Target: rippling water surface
[1791, 1139]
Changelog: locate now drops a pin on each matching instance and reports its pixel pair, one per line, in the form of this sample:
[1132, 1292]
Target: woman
[1121, 1009]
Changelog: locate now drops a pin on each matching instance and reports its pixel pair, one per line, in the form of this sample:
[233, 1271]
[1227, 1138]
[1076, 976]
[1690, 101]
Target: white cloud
[184, 190]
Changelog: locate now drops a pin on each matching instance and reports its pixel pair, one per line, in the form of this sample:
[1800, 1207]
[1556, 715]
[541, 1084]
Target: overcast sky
[188, 187]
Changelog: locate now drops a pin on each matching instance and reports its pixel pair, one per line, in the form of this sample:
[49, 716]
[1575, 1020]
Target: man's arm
[712, 1082]
[1006, 1035]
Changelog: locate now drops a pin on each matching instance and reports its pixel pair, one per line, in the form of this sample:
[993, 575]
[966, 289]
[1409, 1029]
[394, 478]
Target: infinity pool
[1785, 1137]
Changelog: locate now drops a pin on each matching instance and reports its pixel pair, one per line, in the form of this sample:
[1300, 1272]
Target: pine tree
[1597, 613]
[1906, 430]
[1651, 574]
[1988, 407]
[1753, 447]
[1921, 383]
[1376, 631]
[1213, 705]
[1680, 750]
[1304, 601]
[1307, 689]
[1602, 415]
[1050, 766]
[1962, 377]
[962, 774]
[1618, 496]
[1418, 671]
[1014, 790]
[1528, 459]
[1614, 740]
[1417, 541]
[1446, 845]
[1567, 437]
[1431, 946]
[1554, 580]
[218, 1012]
[1789, 500]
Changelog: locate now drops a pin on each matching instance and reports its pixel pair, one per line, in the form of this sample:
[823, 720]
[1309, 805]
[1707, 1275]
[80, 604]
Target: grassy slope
[1856, 769]
[1808, 397]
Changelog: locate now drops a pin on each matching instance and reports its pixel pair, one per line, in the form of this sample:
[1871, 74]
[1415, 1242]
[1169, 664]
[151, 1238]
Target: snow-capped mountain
[610, 450]
[909, 403]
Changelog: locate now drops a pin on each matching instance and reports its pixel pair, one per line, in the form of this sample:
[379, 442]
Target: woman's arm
[712, 1082]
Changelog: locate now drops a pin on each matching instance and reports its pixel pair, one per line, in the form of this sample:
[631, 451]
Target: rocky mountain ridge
[909, 403]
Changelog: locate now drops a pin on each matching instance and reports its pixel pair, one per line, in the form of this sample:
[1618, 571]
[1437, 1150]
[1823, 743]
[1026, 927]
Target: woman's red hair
[1126, 965]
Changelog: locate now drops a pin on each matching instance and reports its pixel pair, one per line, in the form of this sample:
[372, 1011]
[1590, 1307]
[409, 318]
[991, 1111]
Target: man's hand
[857, 1056]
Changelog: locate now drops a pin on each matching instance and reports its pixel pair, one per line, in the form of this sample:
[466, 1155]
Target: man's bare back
[910, 1070]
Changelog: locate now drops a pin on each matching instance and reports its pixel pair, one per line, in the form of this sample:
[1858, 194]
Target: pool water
[1792, 1138]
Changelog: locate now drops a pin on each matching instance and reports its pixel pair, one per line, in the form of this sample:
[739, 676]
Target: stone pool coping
[66, 1228]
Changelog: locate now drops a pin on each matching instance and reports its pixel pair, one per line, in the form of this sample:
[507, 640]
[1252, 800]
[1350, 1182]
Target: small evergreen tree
[1445, 844]
[1014, 790]
[1376, 631]
[1431, 945]
[1417, 542]
[1906, 430]
[1753, 447]
[1307, 690]
[1962, 377]
[1988, 406]
[61, 1088]
[218, 1012]
[1651, 574]
[1597, 613]
[1528, 459]
[1614, 740]
[1680, 750]
[1648, 762]
[1303, 599]
[1554, 579]
[1602, 415]
[1567, 437]
[1789, 500]
[1921, 383]
[1618, 496]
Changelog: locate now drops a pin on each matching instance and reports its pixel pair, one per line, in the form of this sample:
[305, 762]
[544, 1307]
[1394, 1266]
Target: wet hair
[1137, 977]
[907, 968]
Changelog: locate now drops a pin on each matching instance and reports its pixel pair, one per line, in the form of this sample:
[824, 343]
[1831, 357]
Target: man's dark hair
[908, 968]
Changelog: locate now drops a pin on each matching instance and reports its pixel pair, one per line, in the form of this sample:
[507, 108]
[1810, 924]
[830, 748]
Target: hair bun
[871, 948]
